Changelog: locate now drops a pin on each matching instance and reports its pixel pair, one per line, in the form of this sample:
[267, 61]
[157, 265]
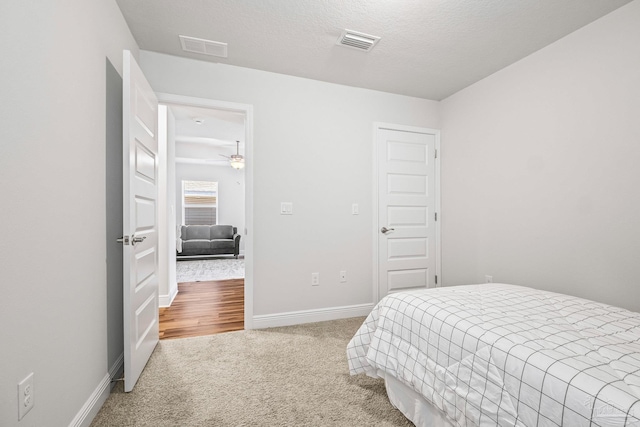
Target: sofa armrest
[179, 240]
[236, 241]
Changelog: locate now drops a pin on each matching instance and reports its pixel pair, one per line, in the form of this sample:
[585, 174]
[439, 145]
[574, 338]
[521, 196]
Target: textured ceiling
[429, 48]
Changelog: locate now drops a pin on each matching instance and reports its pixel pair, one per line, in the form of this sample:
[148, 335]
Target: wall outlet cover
[25, 396]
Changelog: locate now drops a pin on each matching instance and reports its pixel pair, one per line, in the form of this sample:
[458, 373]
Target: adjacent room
[207, 210]
[402, 213]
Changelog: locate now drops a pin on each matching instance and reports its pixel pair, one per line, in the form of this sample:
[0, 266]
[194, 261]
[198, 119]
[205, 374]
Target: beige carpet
[290, 376]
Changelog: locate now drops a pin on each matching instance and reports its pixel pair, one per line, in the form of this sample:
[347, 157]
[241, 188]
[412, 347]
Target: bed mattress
[498, 354]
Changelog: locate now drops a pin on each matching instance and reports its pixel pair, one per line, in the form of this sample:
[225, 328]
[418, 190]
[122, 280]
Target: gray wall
[313, 147]
[52, 186]
[540, 168]
[114, 190]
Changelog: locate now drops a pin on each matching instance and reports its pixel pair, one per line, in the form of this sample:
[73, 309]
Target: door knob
[385, 230]
[124, 240]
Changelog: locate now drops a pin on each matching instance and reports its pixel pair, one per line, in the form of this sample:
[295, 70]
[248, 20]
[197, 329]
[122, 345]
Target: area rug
[209, 269]
[294, 376]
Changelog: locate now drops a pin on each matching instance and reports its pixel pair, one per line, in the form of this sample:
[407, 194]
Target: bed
[506, 355]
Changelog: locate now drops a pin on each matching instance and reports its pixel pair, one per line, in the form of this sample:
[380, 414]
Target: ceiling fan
[236, 160]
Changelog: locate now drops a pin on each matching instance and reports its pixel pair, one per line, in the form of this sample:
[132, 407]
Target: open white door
[407, 239]
[140, 178]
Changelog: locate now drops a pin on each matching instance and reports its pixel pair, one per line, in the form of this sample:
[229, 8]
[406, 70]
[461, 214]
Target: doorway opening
[207, 217]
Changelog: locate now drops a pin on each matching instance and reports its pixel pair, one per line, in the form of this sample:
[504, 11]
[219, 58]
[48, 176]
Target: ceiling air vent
[356, 40]
[204, 47]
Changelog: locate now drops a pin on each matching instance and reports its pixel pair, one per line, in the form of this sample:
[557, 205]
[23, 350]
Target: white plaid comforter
[507, 355]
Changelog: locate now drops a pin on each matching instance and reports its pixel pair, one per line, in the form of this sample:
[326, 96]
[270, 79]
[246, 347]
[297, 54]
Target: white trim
[309, 316]
[375, 215]
[167, 300]
[439, 212]
[91, 407]
[376, 127]
[403, 128]
[163, 201]
[203, 140]
[247, 109]
[170, 98]
[205, 162]
[116, 367]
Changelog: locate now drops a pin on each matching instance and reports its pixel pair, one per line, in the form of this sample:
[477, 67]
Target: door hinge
[436, 216]
[436, 153]
[436, 279]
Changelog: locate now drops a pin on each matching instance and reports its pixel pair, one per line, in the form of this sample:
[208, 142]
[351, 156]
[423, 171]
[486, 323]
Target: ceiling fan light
[237, 161]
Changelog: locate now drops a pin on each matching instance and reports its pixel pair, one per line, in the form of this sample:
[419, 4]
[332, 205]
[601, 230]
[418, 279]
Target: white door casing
[140, 181]
[407, 249]
[247, 110]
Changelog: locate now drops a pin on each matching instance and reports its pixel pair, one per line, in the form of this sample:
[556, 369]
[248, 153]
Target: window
[199, 202]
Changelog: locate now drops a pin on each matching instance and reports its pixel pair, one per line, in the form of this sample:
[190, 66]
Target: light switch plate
[286, 208]
[355, 209]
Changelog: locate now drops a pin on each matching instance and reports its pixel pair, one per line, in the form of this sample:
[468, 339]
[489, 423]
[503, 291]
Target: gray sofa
[207, 240]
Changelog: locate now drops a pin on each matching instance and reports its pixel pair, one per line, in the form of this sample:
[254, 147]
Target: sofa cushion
[223, 244]
[221, 232]
[190, 232]
[196, 244]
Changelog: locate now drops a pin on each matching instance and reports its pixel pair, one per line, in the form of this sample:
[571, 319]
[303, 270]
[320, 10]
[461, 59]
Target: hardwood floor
[204, 308]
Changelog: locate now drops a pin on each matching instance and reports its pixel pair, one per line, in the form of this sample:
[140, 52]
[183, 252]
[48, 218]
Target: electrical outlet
[315, 279]
[343, 276]
[488, 279]
[25, 396]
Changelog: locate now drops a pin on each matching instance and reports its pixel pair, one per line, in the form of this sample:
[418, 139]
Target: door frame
[247, 109]
[377, 126]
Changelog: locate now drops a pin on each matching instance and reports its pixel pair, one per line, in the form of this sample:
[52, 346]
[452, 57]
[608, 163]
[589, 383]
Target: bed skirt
[412, 405]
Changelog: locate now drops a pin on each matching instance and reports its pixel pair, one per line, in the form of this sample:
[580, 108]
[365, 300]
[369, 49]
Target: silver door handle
[135, 240]
[125, 240]
[385, 230]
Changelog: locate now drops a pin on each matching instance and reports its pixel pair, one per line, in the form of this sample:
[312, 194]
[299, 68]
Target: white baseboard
[91, 407]
[117, 370]
[309, 316]
[96, 400]
[166, 300]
